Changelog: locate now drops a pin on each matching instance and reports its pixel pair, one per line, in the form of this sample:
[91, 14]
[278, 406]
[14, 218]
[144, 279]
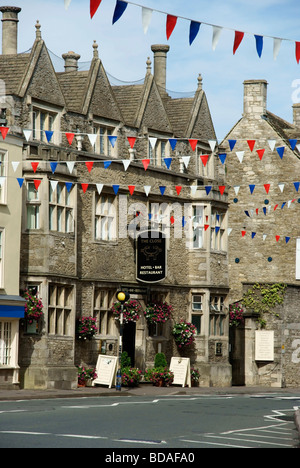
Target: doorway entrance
[129, 340]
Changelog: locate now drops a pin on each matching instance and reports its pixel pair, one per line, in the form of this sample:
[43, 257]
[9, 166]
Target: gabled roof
[12, 68]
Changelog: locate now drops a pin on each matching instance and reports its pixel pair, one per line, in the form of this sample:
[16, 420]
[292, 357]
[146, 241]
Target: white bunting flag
[147, 189]
[272, 144]
[99, 188]
[15, 165]
[216, 36]
[146, 18]
[281, 186]
[27, 134]
[276, 47]
[185, 160]
[92, 138]
[126, 163]
[236, 189]
[67, 4]
[194, 189]
[240, 155]
[70, 166]
[229, 231]
[53, 184]
[153, 142]
[212, 144]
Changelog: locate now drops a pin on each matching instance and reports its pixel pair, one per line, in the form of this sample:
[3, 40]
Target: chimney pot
[71, 61]
[10, 29]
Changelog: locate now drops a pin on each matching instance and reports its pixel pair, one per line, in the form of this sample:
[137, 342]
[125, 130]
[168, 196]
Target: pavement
[146, 390]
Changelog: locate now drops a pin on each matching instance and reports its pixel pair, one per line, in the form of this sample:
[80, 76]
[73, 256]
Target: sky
[124, 48]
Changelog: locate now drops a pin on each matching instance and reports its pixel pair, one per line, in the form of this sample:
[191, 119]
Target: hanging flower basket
[86, 328]
[236, 317]
[84, 375]
[158, 312]
[33, 307]
[184, 333]
[131, 311]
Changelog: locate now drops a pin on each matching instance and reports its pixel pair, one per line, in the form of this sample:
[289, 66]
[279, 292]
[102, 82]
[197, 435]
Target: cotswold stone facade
[85, 199]
[264, 241]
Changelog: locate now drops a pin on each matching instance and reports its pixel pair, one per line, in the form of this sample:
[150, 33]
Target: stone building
[101, 165]
[262, 165]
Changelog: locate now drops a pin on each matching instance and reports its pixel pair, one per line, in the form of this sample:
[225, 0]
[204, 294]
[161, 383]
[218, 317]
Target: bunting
[194, 27]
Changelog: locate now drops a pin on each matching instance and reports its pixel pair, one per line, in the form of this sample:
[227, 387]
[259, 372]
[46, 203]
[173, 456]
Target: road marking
[204, 442]
[76, 436]
[250, 441]
[25, 433]
[137, 441]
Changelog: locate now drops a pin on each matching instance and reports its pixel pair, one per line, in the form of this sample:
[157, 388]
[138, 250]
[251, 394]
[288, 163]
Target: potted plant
[131, 377]
[33, 307]
[236, 317]
[131, 311]
[86, 328]
[159, 376]
[195, 376]
[184, 333]
[85, 376]
[158, 312]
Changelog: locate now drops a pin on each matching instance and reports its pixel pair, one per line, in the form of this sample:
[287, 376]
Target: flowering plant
[158, 312]
[159, 376]
[195, 375]
[184, 333]
[131, 311]
[84, 374]
[236, 315]
[33, 307]
[131, 377]
[86, 328]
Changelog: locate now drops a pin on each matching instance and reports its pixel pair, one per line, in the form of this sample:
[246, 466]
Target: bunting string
[172, 19]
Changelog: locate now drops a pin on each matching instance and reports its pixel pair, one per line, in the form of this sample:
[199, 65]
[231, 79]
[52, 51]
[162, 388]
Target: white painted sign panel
[264, 345]
[106, 370]
[181, 368]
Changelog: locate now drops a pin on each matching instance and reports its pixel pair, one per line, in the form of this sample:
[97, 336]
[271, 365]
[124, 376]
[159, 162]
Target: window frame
[61, 309]
[2, 256]
[61, 202]
[105, 218]
[34, 203]
[45, 118]
[103, 299]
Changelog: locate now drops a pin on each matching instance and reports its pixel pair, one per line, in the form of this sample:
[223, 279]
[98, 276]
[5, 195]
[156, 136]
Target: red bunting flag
[146, 163]
[34, 166]
[94, 5]
[267, 187]
[275, 207]
[37, 183]
[222, 189]
[131, 141]
[89, 165]
[178, 189]
[4, 131]
[251, 144]
[204, 159]
[237, 40]
[298, 51]
[243, 233]
[193, 144]
[171, 23]
[172, 219]
[131, 189]
[70, 137]
[277, 238]
[260, 153]
[84, 187]
[206, 226]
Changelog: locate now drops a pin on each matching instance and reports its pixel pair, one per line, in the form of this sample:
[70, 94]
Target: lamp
[122, 297]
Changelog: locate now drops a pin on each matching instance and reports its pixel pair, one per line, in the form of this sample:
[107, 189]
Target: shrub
[160, 360]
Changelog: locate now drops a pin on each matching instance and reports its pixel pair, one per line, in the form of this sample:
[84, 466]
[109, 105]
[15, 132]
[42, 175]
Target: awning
[12, 306]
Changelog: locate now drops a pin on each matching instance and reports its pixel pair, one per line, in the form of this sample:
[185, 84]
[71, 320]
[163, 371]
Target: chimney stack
[10, 29]
[255, 98]
[71, 61]
[160, 64]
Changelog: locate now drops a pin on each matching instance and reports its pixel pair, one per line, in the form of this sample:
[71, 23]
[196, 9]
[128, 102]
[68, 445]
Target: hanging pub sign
[151, 256]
